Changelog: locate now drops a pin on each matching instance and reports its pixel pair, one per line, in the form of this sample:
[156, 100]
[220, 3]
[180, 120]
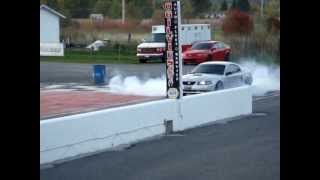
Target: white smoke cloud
[133, 85]
[265, 78]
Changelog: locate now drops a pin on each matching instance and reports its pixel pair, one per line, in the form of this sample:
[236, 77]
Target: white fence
[74, 135]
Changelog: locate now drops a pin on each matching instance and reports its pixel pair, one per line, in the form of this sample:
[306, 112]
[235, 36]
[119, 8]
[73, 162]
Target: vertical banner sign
[173, 48]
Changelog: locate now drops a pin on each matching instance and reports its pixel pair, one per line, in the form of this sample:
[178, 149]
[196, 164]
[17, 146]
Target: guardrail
[75, 135]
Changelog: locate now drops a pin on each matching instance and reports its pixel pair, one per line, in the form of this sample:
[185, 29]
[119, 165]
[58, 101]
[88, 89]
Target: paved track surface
[57, 103]
[246, 148]
[52, 73]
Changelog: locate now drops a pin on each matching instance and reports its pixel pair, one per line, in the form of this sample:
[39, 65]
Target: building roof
[52, 11]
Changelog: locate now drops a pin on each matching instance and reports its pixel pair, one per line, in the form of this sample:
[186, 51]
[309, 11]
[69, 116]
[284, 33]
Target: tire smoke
[134, 86]
[265, 78]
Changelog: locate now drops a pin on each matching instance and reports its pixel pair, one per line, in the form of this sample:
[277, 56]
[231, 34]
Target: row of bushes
[254, 45]
[238, 22]
[109, 25]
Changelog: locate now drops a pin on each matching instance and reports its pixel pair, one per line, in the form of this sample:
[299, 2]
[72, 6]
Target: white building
[50, 44]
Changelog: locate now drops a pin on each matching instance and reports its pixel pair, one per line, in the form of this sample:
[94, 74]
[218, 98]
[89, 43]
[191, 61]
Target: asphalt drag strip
[243, 148]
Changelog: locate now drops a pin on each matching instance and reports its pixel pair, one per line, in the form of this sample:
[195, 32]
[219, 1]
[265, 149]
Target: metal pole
[123, 11]
[261, 8]
[180, 51]
[119, 52]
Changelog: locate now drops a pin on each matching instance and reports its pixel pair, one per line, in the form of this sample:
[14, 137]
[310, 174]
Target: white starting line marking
[258, 114]
[265, 97]
[105, 88]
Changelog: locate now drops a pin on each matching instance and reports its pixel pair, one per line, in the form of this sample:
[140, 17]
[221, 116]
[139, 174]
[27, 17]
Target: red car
[206, 51]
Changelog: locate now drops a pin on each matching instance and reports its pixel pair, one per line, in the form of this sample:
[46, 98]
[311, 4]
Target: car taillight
[160, 49]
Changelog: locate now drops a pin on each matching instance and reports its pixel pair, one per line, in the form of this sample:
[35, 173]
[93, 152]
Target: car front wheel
[219, 86]
[227, 57]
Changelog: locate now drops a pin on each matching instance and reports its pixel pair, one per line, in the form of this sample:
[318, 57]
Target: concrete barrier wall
[74, 135]
[205, 108]
[89, 132]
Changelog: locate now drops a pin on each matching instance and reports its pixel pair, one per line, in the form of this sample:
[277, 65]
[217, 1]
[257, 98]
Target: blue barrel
[99, 72]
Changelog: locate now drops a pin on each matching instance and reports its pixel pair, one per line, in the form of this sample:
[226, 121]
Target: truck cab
[153, 46]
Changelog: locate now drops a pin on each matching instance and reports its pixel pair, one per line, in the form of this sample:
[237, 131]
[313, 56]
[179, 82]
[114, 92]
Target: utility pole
[261, 8]
[123, 11]
[154, 4]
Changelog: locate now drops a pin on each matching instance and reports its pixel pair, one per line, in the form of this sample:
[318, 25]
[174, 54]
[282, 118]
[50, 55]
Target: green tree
[115, 9]
[200, 7]
[78, 8]
[102, 7]
[224, 5]
[43, 1]
[186, 9]
[132, 12]
[244, 5]
[234, 4]
[146, 7]
[51, 3]
[273, 8]
[215, 7]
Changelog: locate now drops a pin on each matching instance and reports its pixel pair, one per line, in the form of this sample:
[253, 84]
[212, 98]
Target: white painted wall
[85, 133]
[205, 108]
[49, 27]
[106, 123]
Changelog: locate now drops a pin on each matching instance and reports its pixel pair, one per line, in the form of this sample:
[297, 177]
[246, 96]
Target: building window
[196, 27]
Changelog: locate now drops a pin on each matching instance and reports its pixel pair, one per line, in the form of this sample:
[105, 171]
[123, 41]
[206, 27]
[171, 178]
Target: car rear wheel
[227, 57]
[142, 60]
[219, 86]
[248, 81]
[163, 60]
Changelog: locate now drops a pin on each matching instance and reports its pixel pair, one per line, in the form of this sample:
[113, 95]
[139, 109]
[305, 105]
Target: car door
[224, 50]
[216, 53]
[233, 76]
[228, 78]
[237, 75]
[221, 51]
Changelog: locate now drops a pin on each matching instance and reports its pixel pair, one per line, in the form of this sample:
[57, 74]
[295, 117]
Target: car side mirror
[213, 49]
[228, 73]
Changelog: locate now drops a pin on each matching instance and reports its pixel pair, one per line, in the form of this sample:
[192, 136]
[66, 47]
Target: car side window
[233, 69]
[229, 69]
[238, 69]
